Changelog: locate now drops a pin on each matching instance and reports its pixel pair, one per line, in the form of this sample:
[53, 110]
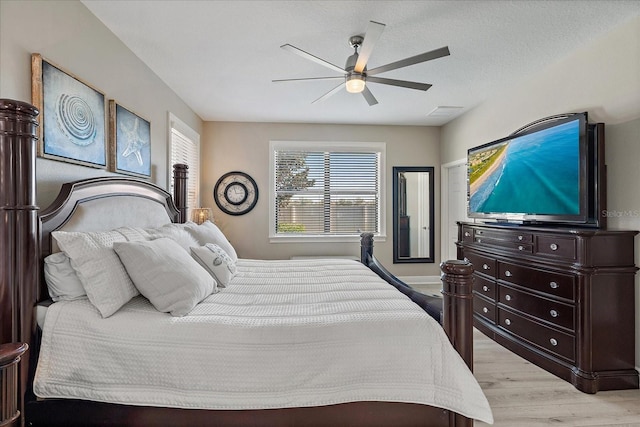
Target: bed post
[366, 247]
[457, 309]
[457, 312]
[180, 177]
[19, 233]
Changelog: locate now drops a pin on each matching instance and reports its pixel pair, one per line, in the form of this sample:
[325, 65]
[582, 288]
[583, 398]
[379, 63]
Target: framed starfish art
[129, 142]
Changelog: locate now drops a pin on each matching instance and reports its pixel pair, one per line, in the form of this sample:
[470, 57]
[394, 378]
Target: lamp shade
[200, 215]
[355, 83]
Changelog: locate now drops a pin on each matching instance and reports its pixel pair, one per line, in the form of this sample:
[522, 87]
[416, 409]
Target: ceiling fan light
[355, 83]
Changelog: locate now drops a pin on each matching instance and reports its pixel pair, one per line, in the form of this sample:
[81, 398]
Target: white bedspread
[282, 334]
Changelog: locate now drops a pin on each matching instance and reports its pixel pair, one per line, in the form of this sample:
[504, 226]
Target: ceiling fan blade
[328, 94]
[312, 58]
[427, 56]
[371, 100]
[374, 31]
[400, 83]
[309, 78]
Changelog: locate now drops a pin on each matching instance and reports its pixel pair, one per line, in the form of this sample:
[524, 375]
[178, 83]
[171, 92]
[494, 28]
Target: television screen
[537, 175]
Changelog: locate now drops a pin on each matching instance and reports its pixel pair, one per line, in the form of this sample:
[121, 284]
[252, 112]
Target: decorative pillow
[165, 274]
[62, 281]
[216, 261]
[176, 232]
[208, 232]
[99, 269]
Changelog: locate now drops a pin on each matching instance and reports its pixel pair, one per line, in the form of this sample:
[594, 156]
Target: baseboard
[325, 257]
[421, 280]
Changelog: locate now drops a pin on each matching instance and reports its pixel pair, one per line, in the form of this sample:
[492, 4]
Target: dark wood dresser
[562, 298]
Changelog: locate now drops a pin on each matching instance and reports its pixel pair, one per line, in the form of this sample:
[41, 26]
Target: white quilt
[281, 334]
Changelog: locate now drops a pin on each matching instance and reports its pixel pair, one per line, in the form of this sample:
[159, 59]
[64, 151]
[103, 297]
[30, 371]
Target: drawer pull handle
[553, 285]
[508, 273]
[479, 240]
[521, 248]
[553, 247]
[485, 288]
[485, 310]
[553, 342]
[507, 297]
[485, 267]
[467, 234]
[553, 313]
[520, 238]
[507, 322]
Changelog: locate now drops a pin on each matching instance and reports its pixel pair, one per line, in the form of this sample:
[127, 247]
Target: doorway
[453, 205]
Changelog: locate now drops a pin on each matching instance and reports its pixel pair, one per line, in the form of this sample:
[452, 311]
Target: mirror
[413, 214]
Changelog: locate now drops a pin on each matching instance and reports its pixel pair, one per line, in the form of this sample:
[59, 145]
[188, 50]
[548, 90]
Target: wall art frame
[129, 142]
[73, 126]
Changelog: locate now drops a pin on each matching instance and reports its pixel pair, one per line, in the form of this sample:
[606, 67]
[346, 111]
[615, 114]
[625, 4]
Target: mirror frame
[397, 170]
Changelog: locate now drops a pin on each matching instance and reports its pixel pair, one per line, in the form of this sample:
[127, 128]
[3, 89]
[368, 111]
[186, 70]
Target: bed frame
[25, 240]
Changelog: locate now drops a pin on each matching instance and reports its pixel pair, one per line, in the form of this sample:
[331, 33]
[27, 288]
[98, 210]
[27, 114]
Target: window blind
[187, 150]
[326, 193]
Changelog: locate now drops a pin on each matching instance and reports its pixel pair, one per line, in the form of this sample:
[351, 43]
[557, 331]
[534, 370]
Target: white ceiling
[220, 57]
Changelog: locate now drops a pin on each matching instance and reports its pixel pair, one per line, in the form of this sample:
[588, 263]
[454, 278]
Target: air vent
[444, 111]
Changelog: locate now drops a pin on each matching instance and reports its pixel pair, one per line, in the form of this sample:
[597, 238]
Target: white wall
[231, 146]
[602, 79]
[68, 35]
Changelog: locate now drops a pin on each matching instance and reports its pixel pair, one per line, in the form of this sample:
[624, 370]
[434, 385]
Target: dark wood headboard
[112, 191]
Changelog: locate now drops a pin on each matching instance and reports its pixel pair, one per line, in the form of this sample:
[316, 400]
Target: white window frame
[186, 132]
[334, 146]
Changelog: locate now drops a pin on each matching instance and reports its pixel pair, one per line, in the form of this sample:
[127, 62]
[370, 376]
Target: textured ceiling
[220, 57]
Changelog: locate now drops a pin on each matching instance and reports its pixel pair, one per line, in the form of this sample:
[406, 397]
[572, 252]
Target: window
[326, 191]
[184, 147]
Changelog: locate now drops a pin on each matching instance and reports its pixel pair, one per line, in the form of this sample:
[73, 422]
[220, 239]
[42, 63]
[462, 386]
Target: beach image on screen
[538, 173]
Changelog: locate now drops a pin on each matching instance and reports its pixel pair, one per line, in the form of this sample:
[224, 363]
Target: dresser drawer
[484, 287]
[546, 309]
[559, 247]
[484, 308]
[553, 284]
[507, 244]
[506, 235]
[556, 342]
[482, 264]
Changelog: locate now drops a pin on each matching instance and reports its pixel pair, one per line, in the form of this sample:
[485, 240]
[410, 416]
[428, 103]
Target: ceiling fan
[355, 75]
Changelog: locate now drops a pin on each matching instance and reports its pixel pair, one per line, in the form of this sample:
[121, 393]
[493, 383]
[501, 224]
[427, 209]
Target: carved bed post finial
[180, 177]
[457, 307]
[366, 247]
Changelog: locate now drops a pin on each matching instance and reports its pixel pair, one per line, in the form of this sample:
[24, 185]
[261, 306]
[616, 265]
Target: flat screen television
[549, 172]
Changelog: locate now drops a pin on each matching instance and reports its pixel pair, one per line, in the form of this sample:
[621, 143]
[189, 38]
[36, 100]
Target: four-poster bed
[27, 240]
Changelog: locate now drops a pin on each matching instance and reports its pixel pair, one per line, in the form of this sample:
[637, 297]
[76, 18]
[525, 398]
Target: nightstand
[10, 355]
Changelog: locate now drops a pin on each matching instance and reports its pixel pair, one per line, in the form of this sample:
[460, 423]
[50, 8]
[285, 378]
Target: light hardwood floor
[521, 394]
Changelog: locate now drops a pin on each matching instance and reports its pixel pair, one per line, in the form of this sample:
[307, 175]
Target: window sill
[323, 239]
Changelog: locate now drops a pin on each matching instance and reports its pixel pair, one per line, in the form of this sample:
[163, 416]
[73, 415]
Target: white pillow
[216, 261]
[176, 232]
[62, 281]
[208, 232]
[99, 269]
[165, 274]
